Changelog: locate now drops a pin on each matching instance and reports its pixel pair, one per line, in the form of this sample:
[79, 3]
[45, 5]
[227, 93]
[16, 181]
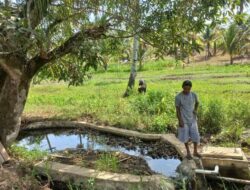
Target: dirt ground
[13, 175]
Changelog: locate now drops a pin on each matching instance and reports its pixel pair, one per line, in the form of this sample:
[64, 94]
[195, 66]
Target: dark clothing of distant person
[142, 86]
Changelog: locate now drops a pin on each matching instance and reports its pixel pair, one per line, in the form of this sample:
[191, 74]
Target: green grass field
[224, 92]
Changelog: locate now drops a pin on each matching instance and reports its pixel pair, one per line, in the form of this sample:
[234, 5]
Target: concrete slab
[228, 167]
[231, 161]
[83, 124]
[179, 146]
[103, 180]
[222, 152]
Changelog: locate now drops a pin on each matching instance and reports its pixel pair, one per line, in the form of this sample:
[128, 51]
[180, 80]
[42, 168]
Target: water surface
[57, 142]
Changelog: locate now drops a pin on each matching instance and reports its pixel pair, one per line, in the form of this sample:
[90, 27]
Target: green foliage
[231, 39]
[163, 123]
[27, 155]
[159, 65]
[99, 99]
[55, 41]
[233, 132]
[213, 119]
[88, 185]
[91, 184]
[154, 102]
[60, 36]
[158, 105]
[107, 162]
[239, 111]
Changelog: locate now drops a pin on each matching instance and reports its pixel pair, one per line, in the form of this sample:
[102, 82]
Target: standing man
[187, 103]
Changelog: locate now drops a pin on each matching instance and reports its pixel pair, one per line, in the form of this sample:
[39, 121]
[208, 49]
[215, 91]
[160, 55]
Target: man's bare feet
[189, 157]
[196, 154]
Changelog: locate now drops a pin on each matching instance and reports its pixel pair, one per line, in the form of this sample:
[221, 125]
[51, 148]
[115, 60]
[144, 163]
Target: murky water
[56, 142]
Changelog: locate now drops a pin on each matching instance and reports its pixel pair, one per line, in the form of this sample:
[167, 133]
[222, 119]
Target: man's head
[186, 86]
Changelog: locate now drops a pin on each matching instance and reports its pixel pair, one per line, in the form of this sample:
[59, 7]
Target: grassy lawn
[224, 92]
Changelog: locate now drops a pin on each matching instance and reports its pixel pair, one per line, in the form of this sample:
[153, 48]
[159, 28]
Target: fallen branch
[124, 159]
[60, 156]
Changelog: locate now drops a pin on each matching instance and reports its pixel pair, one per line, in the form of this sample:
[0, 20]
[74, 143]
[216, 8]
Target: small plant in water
[107, 162]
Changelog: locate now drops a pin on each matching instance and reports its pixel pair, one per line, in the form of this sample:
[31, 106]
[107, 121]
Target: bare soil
[17, 175]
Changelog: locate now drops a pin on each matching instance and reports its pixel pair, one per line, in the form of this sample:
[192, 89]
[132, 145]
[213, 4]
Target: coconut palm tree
[236, 39]
[231, 43]
[207, 37]
[245, 48]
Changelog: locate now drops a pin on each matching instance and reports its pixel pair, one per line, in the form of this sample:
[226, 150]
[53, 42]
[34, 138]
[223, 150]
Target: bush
[159, 106]
[162, 123]
[231, 134]
[154, 103]
[239, 111]
[212, 118]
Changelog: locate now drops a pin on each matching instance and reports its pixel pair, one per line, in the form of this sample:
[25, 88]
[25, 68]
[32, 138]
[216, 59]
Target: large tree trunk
[13, 95]
[131, 81]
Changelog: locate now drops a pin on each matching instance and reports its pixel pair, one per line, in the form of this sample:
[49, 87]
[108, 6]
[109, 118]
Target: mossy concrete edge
[102, 180]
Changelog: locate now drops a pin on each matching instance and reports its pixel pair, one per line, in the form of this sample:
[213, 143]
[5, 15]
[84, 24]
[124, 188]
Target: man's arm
[196, 104]
[196, 107]
[178, 114]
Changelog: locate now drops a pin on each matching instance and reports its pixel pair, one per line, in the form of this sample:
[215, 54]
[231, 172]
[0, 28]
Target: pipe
[213, 174]
[209, 172]
[235, 180]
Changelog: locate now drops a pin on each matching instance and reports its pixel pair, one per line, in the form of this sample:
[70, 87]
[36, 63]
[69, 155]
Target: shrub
[162, 123]
[239, 111]
[159, 107]
[154, 103]
[212, 118]
[234, 131]
[231, 134]
[159, 123]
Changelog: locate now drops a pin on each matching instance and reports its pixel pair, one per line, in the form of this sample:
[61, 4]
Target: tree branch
[40, 60]
[13, 73]
[28, 13]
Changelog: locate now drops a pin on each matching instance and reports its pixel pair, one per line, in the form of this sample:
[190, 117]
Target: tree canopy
[47, 31]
